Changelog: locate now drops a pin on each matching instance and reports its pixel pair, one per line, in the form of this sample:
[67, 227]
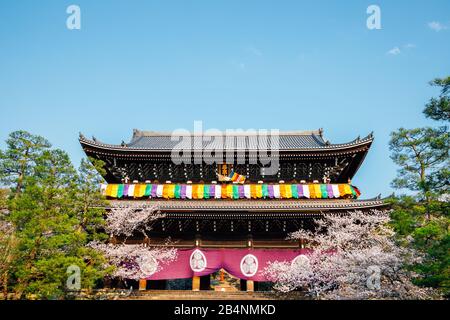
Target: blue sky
[160, 65]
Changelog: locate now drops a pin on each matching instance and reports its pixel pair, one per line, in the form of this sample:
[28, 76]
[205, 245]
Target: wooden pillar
[301, 243]
[142, 284]
[250, 286]
[196, 283]
[249, 283]
[198, 239]
[250, 241]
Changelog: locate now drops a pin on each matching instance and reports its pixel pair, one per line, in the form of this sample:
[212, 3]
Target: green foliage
[90, 203]
[8, 244]
[53, 218]
[17, 161]
[422, 155]
[3, 198]
[429, 235]
[422, 219]
[439, 108]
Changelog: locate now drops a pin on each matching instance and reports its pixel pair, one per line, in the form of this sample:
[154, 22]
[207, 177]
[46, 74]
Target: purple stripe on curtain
[300, 191]
[330, 191]
[125, 191]
[241, 191]
[153, 192]
[271, 193]
[183, 191]
[212, 191]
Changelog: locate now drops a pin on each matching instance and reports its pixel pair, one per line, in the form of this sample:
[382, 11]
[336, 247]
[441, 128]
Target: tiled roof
[254, 205]
[163, 141]
[248, 142]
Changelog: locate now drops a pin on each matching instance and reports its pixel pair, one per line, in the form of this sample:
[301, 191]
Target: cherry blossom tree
[131, 219]
[133, 261]
[352, 256]
[8, 252]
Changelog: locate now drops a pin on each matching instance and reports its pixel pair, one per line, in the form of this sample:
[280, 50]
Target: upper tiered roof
[141, 157]
[151, 141]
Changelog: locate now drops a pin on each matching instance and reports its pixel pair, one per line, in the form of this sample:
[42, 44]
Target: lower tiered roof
[252, 208]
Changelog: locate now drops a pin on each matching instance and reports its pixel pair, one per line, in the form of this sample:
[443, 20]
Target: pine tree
[52, 219]
[423, 216]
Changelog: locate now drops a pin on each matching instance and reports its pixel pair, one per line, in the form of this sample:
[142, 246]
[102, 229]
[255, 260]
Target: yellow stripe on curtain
[108, 190]
[253, 191]
[288, 188]
[165, 191]
[171, 191]
[283, 191]
[347, 190]
[317, 190]
[341, 190]
[194, 191]
[114, 190]
[230, 191]
[142, 190]
[223, 191]
[137, 189]
[312, 191]
[200, 191]
[258, 191]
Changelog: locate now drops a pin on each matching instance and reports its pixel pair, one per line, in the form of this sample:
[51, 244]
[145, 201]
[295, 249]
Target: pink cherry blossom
[354, 256]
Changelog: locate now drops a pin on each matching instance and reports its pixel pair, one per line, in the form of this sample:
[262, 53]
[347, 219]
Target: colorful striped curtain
[189, 191]
[130, 192]
[218, 192]
[294, 191]
[247, 191]
[265, 191]
[231, 191]
[276, 191]
[306, 192]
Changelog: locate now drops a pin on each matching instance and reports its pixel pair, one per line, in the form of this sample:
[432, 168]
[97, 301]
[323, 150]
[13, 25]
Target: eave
[254, 209]
[356, 146]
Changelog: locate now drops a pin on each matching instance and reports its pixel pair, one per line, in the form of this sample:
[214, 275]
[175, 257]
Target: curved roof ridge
[151, 133]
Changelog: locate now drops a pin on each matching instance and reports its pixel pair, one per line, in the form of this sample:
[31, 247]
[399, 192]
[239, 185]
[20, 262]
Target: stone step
[211, 295]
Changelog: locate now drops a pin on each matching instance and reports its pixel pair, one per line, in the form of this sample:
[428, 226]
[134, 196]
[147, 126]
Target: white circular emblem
[300, 261]
[197, 261]
[249, 265]
[148, 265]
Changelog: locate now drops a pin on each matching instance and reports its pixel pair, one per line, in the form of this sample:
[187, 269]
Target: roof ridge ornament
[232, 132]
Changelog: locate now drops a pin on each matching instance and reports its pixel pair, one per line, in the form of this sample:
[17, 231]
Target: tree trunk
[5, 285]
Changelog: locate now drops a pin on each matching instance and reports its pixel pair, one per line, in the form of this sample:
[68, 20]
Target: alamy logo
[73, 21]
[374, 20]
[229, 146]
[373, 279]
[74, 280]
